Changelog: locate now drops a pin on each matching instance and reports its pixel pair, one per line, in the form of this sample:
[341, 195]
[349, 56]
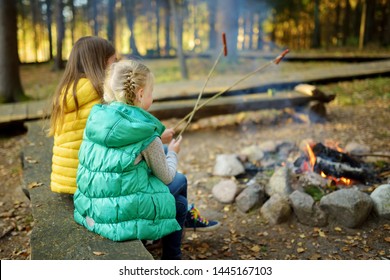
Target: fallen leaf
[321, 233]
[387, 239]
[34, 185]
[256, 248]
[30, 160]
[97, 253]
[338, 229]
[300, 250]
[315, 256]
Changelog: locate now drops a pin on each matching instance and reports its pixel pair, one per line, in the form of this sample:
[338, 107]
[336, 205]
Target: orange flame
[312, 160]
[312, 157]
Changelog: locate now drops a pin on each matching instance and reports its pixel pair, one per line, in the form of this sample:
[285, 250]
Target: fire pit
[320, 183]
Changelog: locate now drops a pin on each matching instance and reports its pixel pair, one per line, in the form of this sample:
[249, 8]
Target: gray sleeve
[163, 166]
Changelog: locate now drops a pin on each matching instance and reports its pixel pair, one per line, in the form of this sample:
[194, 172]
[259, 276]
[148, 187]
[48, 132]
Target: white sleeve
[163, 166]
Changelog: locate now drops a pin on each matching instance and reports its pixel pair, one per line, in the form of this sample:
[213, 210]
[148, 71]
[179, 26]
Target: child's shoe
[198, 223]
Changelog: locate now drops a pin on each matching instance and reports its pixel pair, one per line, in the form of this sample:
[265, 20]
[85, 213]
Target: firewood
[314, 92]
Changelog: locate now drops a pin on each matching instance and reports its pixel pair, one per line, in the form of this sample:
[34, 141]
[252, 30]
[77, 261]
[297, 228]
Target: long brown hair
[88, 59]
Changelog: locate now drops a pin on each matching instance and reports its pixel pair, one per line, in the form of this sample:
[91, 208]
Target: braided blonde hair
[124, 79]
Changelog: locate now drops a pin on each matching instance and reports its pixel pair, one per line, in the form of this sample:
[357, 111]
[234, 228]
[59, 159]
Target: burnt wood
[338, 164]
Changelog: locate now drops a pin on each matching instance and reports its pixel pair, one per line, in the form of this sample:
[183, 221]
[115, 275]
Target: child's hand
[175, 145]
[167, 135]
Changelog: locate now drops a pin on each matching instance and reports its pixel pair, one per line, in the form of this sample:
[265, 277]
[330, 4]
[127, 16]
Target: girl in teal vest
[128, 188]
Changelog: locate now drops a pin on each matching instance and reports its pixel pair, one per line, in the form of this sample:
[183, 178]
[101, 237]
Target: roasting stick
[224, 52]
[275, 61]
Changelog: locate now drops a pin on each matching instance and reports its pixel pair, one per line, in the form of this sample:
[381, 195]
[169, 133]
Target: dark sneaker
[194, 221]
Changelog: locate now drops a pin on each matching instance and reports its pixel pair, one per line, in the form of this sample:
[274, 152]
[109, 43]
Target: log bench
[56, 236]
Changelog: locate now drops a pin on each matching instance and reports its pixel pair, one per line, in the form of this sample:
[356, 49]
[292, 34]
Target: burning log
[339, 165]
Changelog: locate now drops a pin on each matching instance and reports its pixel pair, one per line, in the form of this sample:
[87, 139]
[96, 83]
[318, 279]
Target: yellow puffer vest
[67, 141]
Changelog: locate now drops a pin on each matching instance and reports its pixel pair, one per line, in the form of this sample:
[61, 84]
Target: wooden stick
[372, 155]
[224, 52]
[275, 61]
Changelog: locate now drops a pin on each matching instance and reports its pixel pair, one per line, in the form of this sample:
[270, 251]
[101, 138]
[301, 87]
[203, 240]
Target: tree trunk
[94, 16]
[49, 25]
[363, 25]
[386, 26]
[73, 22]
[10, 85]
[58, 62]
[177, 15]
[212, 7]
[260, 41]
[370, 34]
[167, 29]
[250, 31]
[346, 22]
[158, 26]
[130, 17]
[111, 21]
[228, 23]
[337, 23]
[317, 25]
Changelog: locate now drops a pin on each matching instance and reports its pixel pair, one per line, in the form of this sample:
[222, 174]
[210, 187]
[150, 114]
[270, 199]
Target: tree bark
[346, 22]
[363, 25]
[212, 7]
[49, 25]
[158, 26]
[317, 25]
[167, 27]
[58, 62]
[370, 34]
[130, 18]
[177, 15]
[228, 23]
[386, 26]
[111, 21]
[10, 85]
[73, 22]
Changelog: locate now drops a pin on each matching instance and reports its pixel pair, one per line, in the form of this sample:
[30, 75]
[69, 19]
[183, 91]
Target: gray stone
[251, 197]
[269, 146]
[347, 207]
[253, 153]
[306, 210]
[55, 235]
[279, 183]
[228, 165]
[381, 199]
[276, 209]
[225, 191]
[354, 148]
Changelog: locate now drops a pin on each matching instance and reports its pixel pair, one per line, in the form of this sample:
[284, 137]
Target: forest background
[40, 31]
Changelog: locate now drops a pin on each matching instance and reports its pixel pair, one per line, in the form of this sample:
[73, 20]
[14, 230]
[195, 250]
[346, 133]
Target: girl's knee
[180, 178]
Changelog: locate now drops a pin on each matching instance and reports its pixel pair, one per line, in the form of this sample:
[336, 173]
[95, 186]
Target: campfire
[332, 163]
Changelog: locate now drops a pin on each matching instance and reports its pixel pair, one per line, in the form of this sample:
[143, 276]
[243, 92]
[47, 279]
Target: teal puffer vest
[115, 198]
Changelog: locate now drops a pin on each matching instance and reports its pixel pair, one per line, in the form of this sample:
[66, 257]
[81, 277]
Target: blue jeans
[172, 242]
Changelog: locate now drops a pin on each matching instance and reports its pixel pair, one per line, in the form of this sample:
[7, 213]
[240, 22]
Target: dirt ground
[241, 236]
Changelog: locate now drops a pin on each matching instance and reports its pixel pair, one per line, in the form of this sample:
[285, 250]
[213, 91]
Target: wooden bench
[56, 236]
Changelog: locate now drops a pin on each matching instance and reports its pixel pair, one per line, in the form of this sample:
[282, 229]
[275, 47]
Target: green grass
[360, 91]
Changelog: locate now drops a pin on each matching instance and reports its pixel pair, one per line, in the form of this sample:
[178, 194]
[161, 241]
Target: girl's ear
[140, 92]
